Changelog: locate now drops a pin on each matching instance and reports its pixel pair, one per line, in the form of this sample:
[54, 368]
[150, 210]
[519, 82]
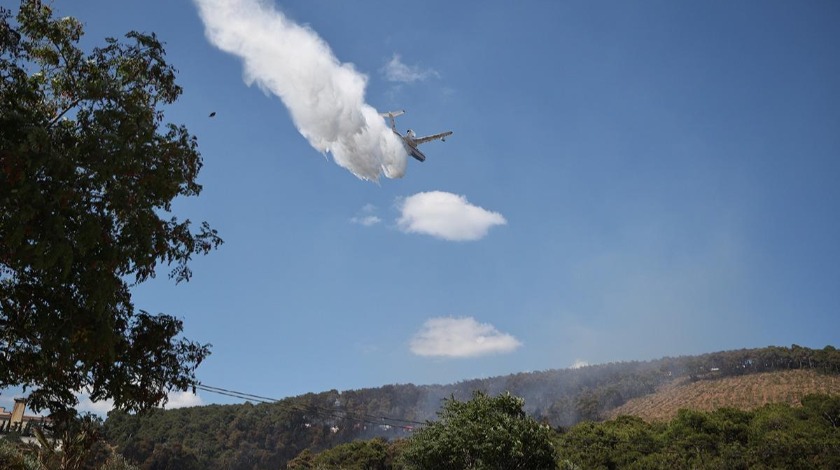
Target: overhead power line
[314, 409]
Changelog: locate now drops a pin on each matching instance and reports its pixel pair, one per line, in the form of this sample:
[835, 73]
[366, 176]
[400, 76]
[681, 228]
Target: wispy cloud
[447, 216]
[396, 71]
[366, 216]
[367, 220]
[326, 98]
[461, 337]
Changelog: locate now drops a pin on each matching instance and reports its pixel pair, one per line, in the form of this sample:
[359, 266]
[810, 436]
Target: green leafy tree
[172, 456]
[613, 444]
[482, 433]
[118, 462]
[773, 436]
[13, 458]
[304, 460]
[72, 444]
[88, 172]
[824, 407]
[358, 455]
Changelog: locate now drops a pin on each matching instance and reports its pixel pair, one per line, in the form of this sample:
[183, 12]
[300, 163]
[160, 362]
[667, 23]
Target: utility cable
[328, 410]
[317, 410]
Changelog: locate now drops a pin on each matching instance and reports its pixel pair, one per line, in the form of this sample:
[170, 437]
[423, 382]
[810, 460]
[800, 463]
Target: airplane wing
[429, 138]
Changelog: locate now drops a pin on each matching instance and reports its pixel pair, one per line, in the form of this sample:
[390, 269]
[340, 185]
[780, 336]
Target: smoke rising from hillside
[324, 97]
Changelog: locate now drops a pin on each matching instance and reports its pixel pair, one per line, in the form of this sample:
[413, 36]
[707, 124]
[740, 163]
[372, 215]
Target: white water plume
[325, 98]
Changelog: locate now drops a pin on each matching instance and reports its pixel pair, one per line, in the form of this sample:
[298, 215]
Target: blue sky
[626, 180]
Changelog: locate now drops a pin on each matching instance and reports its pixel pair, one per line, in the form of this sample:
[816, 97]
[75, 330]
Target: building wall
[17, 419]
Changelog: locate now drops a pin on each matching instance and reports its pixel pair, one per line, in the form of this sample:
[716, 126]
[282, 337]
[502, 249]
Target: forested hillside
[268, 435]
[772, 436]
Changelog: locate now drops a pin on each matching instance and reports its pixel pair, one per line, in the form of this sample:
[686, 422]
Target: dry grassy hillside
[745, 392]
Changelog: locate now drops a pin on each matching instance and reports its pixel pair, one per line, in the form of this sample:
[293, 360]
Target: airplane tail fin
[391, 117]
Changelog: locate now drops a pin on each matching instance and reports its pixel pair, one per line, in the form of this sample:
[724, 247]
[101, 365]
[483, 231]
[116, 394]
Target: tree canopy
[88, 172]
[482, 433]
[773, 436]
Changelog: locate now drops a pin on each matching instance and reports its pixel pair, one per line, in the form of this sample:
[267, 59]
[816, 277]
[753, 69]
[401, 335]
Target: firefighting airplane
[410, 140]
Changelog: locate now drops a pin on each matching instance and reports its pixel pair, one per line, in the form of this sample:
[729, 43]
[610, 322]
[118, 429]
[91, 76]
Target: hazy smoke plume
[325, 98]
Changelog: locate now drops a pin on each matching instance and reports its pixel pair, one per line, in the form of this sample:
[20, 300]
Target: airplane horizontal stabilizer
[393, 114]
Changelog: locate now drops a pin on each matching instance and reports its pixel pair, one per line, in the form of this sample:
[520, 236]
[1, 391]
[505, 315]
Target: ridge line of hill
[273, 433]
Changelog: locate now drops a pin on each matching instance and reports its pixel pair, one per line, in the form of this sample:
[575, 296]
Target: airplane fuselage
[417, 154]
[409, 141]
[410, 146]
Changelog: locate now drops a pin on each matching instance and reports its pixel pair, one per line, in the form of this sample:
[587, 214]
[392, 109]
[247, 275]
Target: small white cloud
[101, 407]
[366, 216]
[447, 216]
[461, 337]
[396, 71]
[183, 399]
